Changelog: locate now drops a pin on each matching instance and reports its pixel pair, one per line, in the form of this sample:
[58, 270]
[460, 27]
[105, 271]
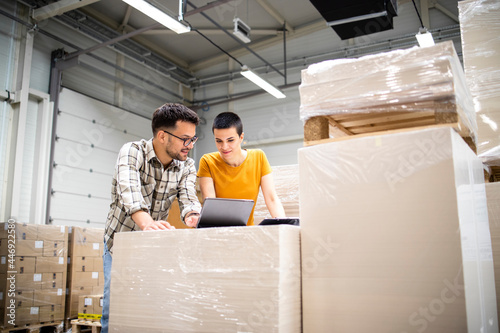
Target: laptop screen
[222, 212]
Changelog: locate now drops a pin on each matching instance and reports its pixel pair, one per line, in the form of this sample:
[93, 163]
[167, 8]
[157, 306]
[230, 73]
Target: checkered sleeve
[128, 185]
[188, 200]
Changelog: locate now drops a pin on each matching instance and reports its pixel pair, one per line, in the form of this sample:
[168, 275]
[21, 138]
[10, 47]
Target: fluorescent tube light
[158, 15]
[357, 18]
[424, 38]
[246, 72]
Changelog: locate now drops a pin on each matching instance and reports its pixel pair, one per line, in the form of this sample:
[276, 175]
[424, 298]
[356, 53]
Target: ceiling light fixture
[424, 37]
[246, 72]
[159, 16]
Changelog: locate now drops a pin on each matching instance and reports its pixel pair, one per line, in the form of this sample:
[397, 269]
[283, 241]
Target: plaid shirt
[140, 182]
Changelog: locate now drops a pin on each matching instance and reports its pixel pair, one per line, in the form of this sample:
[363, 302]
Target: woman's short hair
[227, 120]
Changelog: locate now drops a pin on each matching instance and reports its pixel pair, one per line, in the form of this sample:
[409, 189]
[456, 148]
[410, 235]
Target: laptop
[222, 212]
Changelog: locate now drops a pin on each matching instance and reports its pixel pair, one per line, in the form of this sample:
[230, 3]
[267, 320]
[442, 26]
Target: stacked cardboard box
[286, 182]
[238, 279]
[481, 51]
[33, 266]
[394, 236]
[90, 307]
[85, 270]
[417, 80]
[493, 197]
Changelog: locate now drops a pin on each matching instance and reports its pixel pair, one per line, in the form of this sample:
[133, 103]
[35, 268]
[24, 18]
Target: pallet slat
[34, 328]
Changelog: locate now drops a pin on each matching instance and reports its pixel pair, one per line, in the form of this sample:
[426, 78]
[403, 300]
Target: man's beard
[176, 155]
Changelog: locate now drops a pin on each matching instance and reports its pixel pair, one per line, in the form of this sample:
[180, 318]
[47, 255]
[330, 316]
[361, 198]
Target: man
[148, 176]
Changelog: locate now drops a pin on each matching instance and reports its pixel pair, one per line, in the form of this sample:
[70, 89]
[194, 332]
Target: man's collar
[151, 155]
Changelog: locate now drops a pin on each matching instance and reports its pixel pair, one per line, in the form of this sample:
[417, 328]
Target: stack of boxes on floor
[286, 182]
[394, 226]
[33, 269]
[85, 273]
[481, 52]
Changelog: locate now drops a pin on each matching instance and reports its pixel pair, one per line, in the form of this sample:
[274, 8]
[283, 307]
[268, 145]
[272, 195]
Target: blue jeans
[107, 261]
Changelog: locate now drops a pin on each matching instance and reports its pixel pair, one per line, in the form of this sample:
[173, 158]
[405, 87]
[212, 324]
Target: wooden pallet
[78, 325]
[55, 327]
[492, 174]
[329, 128]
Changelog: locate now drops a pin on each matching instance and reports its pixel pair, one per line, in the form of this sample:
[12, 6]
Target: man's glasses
[187, 141]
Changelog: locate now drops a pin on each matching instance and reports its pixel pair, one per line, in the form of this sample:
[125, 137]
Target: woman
[237, 173]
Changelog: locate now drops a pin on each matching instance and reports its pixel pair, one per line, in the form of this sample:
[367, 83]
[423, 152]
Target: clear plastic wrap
[237, 279]
[86, 277]
[493, 197]
[480, 29]
[33, 270]
[286, 182]
[418, 79]
[394, 228]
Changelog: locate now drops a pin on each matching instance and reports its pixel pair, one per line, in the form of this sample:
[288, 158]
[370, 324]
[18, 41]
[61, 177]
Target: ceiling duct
[356, 18]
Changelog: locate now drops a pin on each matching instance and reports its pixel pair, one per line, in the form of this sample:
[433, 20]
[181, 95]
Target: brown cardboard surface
[82, 264]
[51, 264]
[50, 313]
[21, 247]
[24, 315]
[55, 249]
[19, 230]
[389, 229]
[48, 297]
[20, 264]
[87, 279]
[73, 297]
[98, 264]
[243, 279]
[87, 249]
[52, 232]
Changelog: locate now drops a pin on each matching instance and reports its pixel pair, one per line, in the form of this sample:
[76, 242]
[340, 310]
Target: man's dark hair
[167, 115]
[227, 120]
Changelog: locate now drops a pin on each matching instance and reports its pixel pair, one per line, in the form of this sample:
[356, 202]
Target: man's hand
[145, 222]
[191, 219]
[158, 225]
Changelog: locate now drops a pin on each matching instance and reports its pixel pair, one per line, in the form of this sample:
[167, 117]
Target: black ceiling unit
[357, 17]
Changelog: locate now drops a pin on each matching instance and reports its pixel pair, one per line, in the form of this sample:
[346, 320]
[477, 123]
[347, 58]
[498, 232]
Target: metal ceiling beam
[424, 13]
[445, 11]
[59, 8]
[236, 39]
[105, 19]
[304, 30]
[112, 41]
[275, 14]
[271, 32]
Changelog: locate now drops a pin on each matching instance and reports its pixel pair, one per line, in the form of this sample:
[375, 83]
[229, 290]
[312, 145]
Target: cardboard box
[19, 265]
[52, 232]
[23, 316]
[50, 313]
[73, 299]
[82, 264]
[87, 249]
[21, 298]
[493, 198]
[19, 230]
[390, 225]
[90, 307]
[244, 279]
[481, 51]
[51, 265]
[98, 264]
[87, 279]
[45, 297]
[30, 248]
[39, 281]
[286, 183]
[55, 249]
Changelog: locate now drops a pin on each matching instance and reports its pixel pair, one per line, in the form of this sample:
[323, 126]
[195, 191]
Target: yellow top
[241, 182]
